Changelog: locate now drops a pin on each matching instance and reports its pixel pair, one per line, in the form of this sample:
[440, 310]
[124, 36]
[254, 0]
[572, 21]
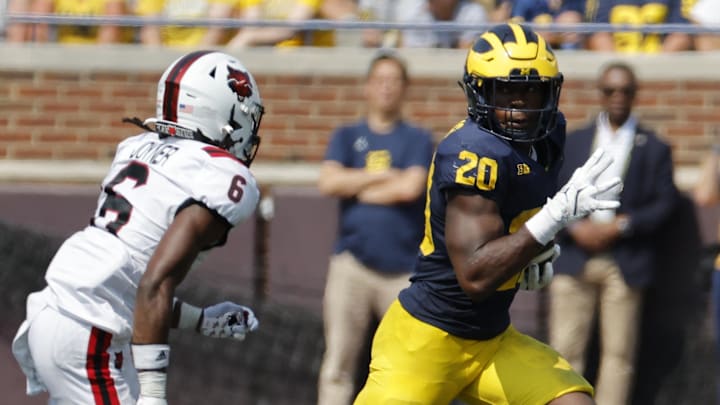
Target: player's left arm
[484, 258]
[194, 228]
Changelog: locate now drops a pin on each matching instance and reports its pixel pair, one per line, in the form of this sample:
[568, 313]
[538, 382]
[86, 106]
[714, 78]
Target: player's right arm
[473, 181]
[482, 256]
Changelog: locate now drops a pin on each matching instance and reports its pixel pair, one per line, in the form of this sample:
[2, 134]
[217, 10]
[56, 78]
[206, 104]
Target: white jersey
[95, 274]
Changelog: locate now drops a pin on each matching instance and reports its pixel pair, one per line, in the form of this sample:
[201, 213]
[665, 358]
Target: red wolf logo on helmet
[239, 83]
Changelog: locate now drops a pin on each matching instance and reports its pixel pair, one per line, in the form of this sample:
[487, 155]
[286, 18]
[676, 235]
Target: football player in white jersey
[171, 192]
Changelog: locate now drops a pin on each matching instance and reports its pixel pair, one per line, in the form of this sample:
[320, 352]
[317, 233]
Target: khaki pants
[354, 295]
[573, 304]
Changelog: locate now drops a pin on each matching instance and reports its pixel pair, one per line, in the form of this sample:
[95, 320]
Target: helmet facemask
[538, 121]
[241, 137]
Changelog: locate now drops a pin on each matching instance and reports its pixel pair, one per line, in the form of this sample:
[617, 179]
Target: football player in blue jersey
[492, 211]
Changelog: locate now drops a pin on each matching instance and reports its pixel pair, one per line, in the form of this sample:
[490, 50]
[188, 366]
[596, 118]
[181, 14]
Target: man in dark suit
[608, 258]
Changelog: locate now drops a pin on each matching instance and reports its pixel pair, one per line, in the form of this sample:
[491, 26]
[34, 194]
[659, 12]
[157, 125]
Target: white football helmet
[211, 97]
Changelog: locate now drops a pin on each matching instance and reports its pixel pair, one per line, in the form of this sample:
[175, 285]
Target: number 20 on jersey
[485, 176]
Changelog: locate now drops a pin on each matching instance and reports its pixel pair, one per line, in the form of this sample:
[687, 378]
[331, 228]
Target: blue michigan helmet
[510, 54]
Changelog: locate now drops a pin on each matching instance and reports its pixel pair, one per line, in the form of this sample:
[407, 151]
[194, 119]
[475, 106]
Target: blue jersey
[640, 12]
[382, 237]
[470, 159]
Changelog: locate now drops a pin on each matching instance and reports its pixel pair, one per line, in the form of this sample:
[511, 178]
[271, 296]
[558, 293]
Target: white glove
[576, 199]
[539, 271]
[143, 400]
[228, 320]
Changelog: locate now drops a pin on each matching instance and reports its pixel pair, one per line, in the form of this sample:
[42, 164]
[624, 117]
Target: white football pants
[80, 364]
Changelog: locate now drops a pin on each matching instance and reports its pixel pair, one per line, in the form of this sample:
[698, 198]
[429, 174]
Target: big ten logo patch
[522, 169]
[378, 160]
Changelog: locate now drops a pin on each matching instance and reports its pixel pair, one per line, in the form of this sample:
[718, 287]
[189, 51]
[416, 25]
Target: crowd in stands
[701, 13]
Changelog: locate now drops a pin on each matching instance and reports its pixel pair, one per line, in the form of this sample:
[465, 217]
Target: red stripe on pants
[98, 368]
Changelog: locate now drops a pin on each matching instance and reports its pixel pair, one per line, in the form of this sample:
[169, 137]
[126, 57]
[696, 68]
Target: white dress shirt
[617, 144]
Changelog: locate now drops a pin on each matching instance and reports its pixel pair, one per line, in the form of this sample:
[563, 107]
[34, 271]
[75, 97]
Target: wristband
[189, 316]
[543, 226]
[151, 357]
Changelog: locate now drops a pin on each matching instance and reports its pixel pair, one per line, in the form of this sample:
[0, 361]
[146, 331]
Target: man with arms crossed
[377, 167]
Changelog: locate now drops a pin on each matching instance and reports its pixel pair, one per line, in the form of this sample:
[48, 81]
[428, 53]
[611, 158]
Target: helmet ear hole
[227, 130]
[231, 136]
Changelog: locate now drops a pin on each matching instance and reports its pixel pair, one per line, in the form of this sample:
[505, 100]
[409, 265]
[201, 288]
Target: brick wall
[66, 103]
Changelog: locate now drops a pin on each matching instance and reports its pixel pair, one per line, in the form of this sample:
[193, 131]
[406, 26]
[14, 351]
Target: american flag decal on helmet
[239, 82]
[172, 84]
